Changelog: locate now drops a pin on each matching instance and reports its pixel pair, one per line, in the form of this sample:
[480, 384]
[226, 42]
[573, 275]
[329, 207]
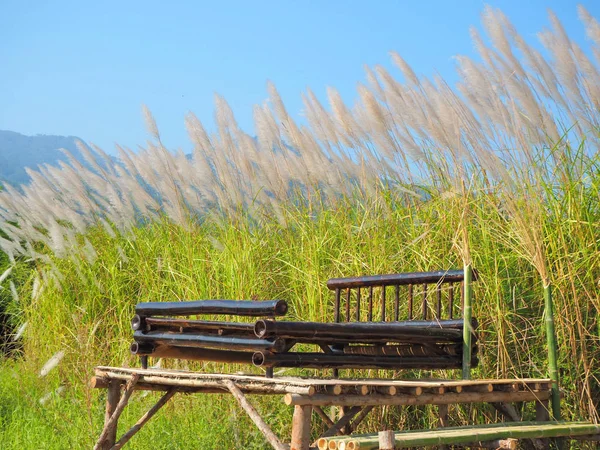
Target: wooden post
[301, 428]
[467, 327]
[112, 398]
[542, 411]
[387, 440]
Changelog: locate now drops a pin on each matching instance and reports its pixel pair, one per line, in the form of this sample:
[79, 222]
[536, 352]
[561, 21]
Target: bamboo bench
[381, 310]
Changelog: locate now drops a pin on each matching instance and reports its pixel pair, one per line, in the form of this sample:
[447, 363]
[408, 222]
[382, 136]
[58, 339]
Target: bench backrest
[405, 296]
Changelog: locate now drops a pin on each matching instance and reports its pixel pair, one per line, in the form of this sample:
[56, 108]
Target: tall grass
[500, 172]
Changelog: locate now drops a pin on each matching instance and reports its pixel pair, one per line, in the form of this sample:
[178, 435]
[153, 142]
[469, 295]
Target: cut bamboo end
[333, 445]
[364, 390]
[322, 443]
[335, 389]
[98, 383]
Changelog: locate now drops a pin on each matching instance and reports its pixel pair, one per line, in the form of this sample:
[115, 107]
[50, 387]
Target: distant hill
[18, 151]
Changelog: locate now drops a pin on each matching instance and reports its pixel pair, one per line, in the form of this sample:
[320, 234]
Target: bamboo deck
[325, 391]
[358, 396]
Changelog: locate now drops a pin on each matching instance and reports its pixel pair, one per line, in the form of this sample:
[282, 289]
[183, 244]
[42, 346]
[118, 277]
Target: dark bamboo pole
[234, 307]
[415, 330]
[396, 303]
[467, 328]
[344, 361]
[203, 341]
[192, 354]
[552, 351]
[167, 324]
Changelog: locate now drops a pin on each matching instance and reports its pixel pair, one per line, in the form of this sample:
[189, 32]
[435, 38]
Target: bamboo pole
[233, 307]
[424, 399]
[301, 428]
[386, 440]
[112, 399]
[467, 328]
[552, 351]
[344, 361]
[256, 418]
[249, 386]
[197, 340]
[465, 435]
[144, 419]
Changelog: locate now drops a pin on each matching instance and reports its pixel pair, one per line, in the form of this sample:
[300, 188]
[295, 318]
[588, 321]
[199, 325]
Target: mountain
[18, 151]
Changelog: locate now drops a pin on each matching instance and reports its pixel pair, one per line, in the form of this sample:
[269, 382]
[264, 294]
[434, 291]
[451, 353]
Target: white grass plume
[508, 104]
[52, 363]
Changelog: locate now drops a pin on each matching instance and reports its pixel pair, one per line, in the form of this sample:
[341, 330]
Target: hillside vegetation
[501, 171]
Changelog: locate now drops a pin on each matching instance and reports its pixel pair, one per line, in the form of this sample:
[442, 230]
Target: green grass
[88, 316]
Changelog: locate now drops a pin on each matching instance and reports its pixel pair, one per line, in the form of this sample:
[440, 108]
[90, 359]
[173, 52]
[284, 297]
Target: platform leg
[443, 416]
[301, 428]
[112, 399]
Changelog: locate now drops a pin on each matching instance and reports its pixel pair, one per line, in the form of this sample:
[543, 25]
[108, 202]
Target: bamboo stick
[467, 316]
[251, 308]
[423, 399]
[342, 361]
[203, 341]
[168, 323]
[256, 418]
[415, 330]
[552, 351]
[191, 353]
[250, 386]
[471, 434]
[144, 419]
[397, 279]
[301, 428]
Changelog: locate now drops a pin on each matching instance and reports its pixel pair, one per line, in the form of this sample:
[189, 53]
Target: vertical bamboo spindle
[348, 292]
[370, 315]
[383, 303]
[397, 303]
[552, 351]
[467, 326]
[410, 302]
[336, 317]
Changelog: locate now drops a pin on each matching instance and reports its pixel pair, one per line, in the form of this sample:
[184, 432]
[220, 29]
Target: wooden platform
[357, 397]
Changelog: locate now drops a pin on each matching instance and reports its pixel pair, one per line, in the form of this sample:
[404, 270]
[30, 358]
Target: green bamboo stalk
[340, 439]
[471, 434]
[467, 328]
[552, 351]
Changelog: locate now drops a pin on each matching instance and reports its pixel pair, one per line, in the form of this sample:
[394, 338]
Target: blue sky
[85, 68]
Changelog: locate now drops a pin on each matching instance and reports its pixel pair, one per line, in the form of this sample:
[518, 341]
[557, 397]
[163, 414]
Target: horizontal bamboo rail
[405, 331]
[346, 361]
[253, 308]
[191, 353]
[219, 327]
[464, 435]
[211, 341]
[399, 279]
[423, 399]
